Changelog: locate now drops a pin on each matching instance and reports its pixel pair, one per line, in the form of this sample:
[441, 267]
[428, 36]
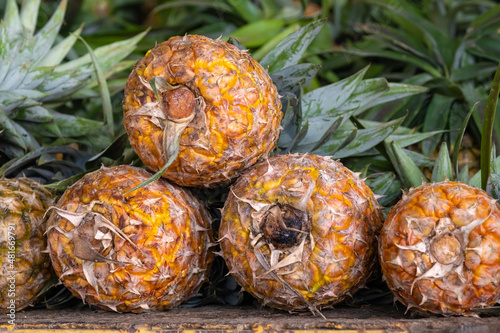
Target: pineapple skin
[161, 257]
[23, 203]
[342, 221]
[236, 118]
[440, 249]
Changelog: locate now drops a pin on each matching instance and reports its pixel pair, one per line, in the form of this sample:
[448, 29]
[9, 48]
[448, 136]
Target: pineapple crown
[36, 78]
[448, 47]
[446, 167]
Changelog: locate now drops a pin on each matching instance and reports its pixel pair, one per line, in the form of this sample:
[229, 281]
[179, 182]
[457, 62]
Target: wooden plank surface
[248, 318]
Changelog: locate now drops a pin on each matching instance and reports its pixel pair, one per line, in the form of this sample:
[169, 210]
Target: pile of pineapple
[298, 229]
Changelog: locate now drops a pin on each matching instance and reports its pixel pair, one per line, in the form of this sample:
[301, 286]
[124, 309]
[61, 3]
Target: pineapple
[149, 249]
[439, 246]
[214, 113]
[439, 249]
[25, 266]
[299, 231]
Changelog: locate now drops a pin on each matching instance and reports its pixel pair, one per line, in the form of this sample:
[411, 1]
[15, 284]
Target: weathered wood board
[248, 318]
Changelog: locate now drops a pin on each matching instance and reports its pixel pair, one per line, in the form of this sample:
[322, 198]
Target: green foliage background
[411, 80]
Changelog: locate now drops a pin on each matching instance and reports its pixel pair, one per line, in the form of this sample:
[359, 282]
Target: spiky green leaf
[443, 168]
[299, 137]
[487, 133]
[411, 139]
[61, 50]
[397, 91]
[473, 71]
[293, 77]
[463, 176]
[436, 119]
[114, 151]
[386, 185]
[44, 39]
[257, 33]
[69, 125]
[233, 41]
[328, 135]
[482, 22]
[290, 122]
[458, 141]
[326, 100]
[365, 95]
[35, 114]
[290, 50]
[246, 9]
[103, 89]
[107, 55]
[62, 83]
[407, 170]
[271, 44]
[12, 20]
[367, 138]
[367, 48]
[29, 15]
[10, 133]
[436, 41]
[42, 155]
[420, 160]
[34, 78]
[63, 184]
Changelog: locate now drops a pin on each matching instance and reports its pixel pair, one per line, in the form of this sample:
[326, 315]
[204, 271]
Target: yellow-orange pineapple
[216, 104]
[299, 231]
[144, 250]
[440, 249]
[25, 266]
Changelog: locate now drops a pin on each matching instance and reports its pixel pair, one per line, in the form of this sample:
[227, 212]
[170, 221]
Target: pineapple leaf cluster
[446, 166]
[323, 121]
[259, 25]
[39, 73]
[449, 47]
[328, 120]
[60, 166]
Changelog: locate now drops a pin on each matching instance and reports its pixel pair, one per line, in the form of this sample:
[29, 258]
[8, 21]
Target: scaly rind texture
[147, 250]
[237, 118]
[23, 203]
[440, 249]
[330, 261]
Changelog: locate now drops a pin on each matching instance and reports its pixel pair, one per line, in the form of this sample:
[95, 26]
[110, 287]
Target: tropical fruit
[299, 231]
[25, 266]
[214, 110]
[149, 249]
[439, 249]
